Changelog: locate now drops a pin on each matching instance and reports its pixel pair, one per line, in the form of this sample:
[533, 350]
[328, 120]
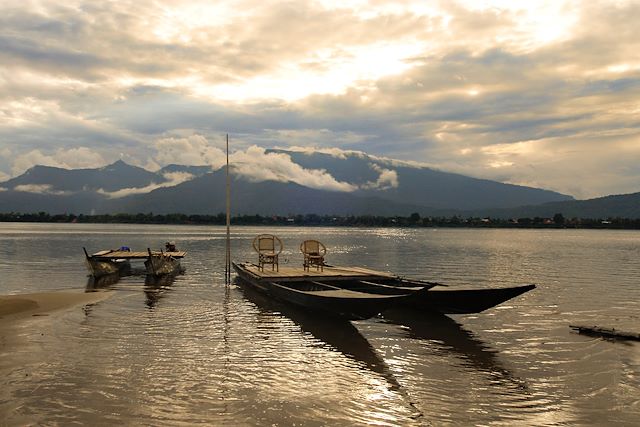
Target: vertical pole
[227, 277]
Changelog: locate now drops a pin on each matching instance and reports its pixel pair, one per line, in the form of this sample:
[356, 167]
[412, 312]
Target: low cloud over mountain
[266, 182]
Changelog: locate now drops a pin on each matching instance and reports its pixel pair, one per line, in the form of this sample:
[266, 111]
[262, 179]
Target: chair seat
[268, 247]
[313, 252]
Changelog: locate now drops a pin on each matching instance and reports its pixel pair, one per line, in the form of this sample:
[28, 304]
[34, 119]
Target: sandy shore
[14, 307]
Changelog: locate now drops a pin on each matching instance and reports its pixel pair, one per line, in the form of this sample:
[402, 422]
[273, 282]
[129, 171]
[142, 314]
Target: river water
[193, 351]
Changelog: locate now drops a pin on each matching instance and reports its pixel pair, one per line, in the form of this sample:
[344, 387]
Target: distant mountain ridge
[113, 177]
[380, 187]
[614, 206]
[425, 186]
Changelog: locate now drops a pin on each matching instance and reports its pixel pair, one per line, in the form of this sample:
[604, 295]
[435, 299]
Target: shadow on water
[451, 337]
[339, 334]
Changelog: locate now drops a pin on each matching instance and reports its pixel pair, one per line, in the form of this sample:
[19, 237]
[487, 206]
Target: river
[194, 351]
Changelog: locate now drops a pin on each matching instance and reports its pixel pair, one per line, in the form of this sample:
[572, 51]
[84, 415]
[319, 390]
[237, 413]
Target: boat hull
[162, 265]
[433, 297]
[337, 303]
[426, 297]
[100, 268]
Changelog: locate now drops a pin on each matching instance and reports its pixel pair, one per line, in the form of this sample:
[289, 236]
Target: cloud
[336, 152]
[39, 189]
[193, 150]
[256, 165]
[388, 179]
[173, 179]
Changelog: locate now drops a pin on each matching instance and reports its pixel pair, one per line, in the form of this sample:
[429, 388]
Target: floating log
[606, 332]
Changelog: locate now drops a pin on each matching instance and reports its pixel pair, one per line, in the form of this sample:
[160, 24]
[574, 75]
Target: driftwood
[606, 332]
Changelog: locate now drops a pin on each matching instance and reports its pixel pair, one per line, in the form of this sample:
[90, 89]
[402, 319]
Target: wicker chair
[268, 247]
[314, 252]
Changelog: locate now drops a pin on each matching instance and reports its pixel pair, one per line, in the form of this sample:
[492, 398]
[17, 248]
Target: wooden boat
[162, 263]
[437, 299]
[312, 290]
[422, 295]
[103, 263]
[446, 301]
[119, 261]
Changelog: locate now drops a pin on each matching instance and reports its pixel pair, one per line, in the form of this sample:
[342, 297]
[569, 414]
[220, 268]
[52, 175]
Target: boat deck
[108, 255]
[289, 273]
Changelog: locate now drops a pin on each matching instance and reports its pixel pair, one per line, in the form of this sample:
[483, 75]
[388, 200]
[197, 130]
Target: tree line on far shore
[413, 220]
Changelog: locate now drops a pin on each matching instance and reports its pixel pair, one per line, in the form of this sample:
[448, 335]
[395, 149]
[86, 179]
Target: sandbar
[13, 307]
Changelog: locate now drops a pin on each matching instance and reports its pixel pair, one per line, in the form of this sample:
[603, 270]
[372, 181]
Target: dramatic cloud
[193, 150]
[256, 165]
[537, 93]
[388, 179]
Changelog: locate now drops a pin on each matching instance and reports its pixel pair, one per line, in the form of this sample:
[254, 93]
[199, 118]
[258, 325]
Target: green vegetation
[413, 220]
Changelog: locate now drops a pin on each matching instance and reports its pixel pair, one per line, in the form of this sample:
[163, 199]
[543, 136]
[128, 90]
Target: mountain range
[293, 182]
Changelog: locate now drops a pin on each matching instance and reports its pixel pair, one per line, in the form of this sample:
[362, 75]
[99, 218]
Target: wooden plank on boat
[366, 271]
[606, 332]
[299, 273]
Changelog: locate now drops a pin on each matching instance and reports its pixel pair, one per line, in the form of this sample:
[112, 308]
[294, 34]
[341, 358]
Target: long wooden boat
[311, 291]
[422, 295]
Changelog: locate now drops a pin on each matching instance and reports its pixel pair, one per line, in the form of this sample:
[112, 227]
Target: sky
[544, 94]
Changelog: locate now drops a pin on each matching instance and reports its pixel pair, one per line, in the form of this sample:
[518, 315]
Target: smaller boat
[118, 261]
[105, 263]
[162, 263]
[316, 295]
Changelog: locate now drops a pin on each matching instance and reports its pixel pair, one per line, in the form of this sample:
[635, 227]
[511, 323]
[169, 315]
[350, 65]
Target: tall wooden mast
[227, 268]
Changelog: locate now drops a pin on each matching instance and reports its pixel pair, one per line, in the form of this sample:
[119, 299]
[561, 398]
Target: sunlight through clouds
[340, 70]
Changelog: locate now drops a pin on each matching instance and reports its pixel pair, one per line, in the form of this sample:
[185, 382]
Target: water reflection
[336, 334]
[97, 283]
[156, 288]
[453, 338]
